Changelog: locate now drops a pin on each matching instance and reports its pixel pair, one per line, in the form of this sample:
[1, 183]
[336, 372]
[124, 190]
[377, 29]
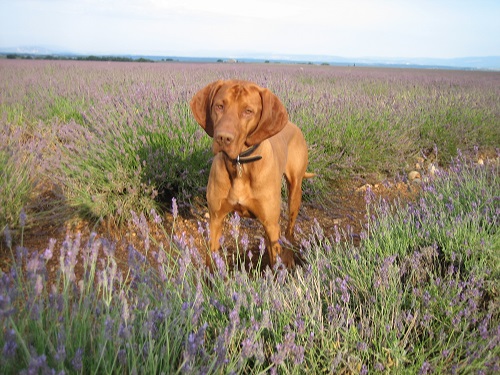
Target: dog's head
[238, 114]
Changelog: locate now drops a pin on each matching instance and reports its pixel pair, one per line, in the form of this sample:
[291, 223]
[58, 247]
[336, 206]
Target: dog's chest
[239, 197]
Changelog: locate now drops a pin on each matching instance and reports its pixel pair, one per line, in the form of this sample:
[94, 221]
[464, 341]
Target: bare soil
[345, 208]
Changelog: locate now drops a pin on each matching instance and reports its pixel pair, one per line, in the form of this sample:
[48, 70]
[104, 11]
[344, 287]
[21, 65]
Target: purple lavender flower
[196, 341]
[369, 195]
[220, 265]
[109, 324]
[77, 361]
[7, 236]
[22, 218]
[379, 367]
[483, 327]
[245, 243]
[266, 320]
[337, 234]
[278, 358]
[198, 304]
[201, 230]
[122, 357]
[38, 364]
[218, 305]
[250, 348]
[124, 332]
[234, 316]
[288, 349]
[250, 256]
[10, 346]
[135, 258]
[156, 218]
[220, 351]
[49, 251]
[344, 288]
[425, 369]
[235, 223]
[362, 346]
[298, 354]
[60, 355]
[262, 246]
[300, 325]
[34, 264]
[383, 275]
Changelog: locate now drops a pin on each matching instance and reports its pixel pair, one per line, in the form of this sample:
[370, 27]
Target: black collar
[244, 157]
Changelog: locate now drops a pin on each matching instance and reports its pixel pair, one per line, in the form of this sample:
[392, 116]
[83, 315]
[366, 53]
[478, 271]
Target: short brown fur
[238, 115]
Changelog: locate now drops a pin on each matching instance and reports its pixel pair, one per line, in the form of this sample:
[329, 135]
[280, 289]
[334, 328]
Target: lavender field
[107, 138]
[116, 142]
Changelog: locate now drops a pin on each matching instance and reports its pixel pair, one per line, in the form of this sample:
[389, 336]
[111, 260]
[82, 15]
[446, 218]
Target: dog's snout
[224, 139]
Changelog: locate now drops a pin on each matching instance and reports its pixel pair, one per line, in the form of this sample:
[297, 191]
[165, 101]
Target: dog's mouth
[230, 152]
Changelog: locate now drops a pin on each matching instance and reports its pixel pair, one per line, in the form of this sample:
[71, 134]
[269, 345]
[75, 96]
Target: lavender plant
[413, 298]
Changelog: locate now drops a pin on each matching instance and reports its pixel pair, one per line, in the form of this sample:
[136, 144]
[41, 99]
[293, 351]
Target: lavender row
[419, 296]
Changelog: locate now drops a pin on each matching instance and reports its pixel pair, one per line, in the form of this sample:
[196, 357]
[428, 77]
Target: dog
[254, 144]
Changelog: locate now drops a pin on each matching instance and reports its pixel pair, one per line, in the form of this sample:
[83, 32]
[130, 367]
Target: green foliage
[17, 177]
[16, 187]
[66, 110]
[377, 121]
[139, 168]
[177, 154]
[104, 179]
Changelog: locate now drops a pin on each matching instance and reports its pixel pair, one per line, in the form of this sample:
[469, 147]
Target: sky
[234, 28]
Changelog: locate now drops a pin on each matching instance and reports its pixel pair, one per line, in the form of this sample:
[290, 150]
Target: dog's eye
[219, 107]
[248, 112]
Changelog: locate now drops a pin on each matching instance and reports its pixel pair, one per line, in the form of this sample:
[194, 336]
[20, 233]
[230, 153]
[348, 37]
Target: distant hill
[479, 62]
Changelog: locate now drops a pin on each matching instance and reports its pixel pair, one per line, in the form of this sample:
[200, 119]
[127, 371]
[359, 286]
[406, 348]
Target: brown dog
[254, 146]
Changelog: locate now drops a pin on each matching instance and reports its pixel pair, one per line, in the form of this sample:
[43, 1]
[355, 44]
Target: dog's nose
[224, 139]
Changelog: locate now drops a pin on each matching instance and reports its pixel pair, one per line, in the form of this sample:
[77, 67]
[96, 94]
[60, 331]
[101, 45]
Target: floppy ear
[201, 105]
[273, 119]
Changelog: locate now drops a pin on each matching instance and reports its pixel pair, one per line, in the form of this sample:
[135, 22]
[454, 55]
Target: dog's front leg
[286, 255]
[218, 189]
[215, 225]
[269, 217]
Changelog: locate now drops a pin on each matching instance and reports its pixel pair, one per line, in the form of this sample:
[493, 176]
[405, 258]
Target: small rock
[413, 175]
[363, 188]
[432, 169]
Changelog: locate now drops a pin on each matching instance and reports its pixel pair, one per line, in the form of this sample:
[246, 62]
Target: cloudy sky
[348, 28]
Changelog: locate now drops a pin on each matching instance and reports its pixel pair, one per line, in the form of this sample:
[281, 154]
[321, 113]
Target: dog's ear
[273, 119]
[201, 105]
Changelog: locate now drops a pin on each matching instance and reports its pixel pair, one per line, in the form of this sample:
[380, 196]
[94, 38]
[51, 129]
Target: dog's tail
[309, 175]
